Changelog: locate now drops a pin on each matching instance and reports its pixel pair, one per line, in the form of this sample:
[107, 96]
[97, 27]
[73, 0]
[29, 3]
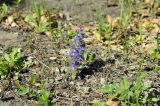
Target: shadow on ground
[92, 68]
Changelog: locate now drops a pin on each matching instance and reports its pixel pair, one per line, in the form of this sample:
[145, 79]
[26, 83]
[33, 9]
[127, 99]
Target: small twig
[43, 63]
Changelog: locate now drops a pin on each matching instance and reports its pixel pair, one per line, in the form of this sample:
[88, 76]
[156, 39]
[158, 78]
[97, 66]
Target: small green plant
[43, 98]
[108, 33]
[125, 12]
[101, 20]
[97, 103]
[156, 53]
[3, 11]
[130, 94]
[89, 57]
[154, 7]
[17, 2]
[41, 93]
[12, 62]
[71, 34]
[101, 23]
[104, 29]
[23, 90]
[40, 22]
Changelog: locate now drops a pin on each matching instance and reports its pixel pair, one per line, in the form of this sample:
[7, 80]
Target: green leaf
[33, 93]
[29, 18]
[146, 86]
[3, 68]
[15, 77]
[38, 11]
[106, 89]
[92, 56]
[44, 96]
[33, 79]
[3, 11]
[155, 99]
[15, 54]
[125, 83]
[99, 104]
[23, 90]
[85, 55]
[44, 85]
[39, 104]
[6, 56]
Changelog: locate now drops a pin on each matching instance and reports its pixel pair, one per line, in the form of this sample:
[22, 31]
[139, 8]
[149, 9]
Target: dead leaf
[116, 47]
[98, 36]
[87, 28]
[156, 29]
[43, 19]
[109, 19]
[9, 20]
[90, 40]
[112, 21]
[150, 47]
[145, 13]
[73, 27]
[113, 102]
[149, 1]
[48, 33]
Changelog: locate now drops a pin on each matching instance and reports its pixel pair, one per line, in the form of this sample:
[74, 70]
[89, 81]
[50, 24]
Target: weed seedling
[156, 54]
[12, 62]
[40, 22]
[40, 93]
[104, 29]
[23, 90]
[43, 98]
[17, 2]
[3, 11]
[130, 94]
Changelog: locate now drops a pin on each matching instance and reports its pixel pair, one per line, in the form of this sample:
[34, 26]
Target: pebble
[63, 69]
[57, 70]
[64, 51]
[14, 24]
[53, 58]
[58, 78]
[102, 81]
[86, 89]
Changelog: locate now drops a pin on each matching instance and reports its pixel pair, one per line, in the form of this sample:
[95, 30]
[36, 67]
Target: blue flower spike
[77, 50]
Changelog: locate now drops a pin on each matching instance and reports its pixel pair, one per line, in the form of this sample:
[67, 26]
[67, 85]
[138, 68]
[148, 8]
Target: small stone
[64, 69]
[51, 81]
[58, 78]
[57, 70]
[9, 20]
[14, 24]
[71, 83]
[86, 89]
[80, 83]
[53, 58]
[1, 51]
[64, 51]
[102, 81]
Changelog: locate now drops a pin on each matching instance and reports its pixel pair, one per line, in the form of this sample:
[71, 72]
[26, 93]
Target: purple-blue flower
[77, 50]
